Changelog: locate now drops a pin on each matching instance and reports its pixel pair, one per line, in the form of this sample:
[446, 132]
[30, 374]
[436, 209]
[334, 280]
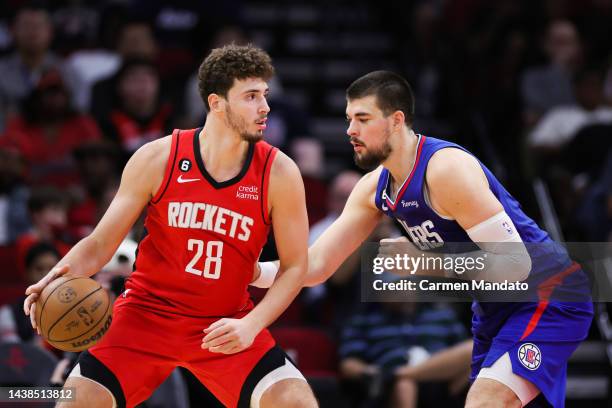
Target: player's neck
[401, 159]
[222, 148]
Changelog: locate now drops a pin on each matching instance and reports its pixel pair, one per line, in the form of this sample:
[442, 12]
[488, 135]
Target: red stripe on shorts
[545, 289]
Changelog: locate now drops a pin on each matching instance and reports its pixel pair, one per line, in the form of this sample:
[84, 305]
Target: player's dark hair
[223, 65]
[392, 93]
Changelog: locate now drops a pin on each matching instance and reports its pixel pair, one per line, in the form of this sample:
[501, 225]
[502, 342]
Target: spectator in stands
[561, 124]
[48, 131]
[570, 144]
[138, 115]
[98, 163]
[96, 71]
[48, 213]
[14, 325]
[308, 154]
[376, 342]
[450, 366]
[339, 190]
[549, 86]
[14, 218]
[594, 211]
[20, 72]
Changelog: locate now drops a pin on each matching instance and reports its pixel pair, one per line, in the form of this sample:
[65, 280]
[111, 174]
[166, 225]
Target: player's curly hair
[218, 71]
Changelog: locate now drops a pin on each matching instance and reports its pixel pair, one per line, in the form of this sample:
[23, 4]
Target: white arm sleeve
[507, 257]
[266, 276]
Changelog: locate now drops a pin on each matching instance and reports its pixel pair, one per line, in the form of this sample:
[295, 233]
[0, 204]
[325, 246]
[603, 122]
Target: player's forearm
[318, 271]
[282, 292]
[86, 257]
[321, 264]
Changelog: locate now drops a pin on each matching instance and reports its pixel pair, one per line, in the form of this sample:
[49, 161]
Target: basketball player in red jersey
[212, 195]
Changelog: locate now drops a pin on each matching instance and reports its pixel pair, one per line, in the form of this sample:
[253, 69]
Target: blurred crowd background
[525, 85]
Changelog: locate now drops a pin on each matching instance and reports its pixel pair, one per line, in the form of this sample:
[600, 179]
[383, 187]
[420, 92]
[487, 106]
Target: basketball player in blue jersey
[440, 193]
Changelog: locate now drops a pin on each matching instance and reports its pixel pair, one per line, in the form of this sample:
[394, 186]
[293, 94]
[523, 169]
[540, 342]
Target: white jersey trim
[385, 195]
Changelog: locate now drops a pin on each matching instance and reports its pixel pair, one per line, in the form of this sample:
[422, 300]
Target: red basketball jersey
[203, 236]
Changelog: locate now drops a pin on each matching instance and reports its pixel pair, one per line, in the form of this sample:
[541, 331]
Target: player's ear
[398, 119]
[216, 102]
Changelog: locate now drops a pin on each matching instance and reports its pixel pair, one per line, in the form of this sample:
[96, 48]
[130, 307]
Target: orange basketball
[73, 313]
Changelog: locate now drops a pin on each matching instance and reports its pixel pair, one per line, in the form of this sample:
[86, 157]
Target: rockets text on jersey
[210, 217]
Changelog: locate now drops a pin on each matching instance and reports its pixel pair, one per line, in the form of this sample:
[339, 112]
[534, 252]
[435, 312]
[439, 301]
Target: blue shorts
[539, 338]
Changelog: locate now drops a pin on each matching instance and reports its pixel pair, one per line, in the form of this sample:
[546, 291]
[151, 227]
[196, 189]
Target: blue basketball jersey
[430, 231]
[424, 226]
[539, 336]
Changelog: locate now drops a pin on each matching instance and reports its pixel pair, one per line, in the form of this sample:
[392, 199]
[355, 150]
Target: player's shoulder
[154, 153]
[364, 191]
[373, 175]
[369, 181]
[451, 162]
[283, 167]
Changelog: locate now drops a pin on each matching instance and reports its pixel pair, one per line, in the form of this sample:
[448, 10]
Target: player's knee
[291, 393]
[487, 393]
[86, 394]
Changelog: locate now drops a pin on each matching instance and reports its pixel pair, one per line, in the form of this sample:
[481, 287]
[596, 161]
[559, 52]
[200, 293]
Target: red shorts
[142, 347]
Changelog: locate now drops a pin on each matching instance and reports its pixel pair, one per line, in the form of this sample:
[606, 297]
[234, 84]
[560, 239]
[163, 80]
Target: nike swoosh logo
[180, 179]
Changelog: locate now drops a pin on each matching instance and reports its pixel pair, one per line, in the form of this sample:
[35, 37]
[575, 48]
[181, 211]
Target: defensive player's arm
[141, 178]
[287, 204]
[357, 221]
[459, 189]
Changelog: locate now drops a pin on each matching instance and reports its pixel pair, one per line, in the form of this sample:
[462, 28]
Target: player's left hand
[391, 247]
[229, 336]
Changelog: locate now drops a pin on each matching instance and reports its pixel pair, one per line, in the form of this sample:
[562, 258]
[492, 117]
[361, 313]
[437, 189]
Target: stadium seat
[23, 364]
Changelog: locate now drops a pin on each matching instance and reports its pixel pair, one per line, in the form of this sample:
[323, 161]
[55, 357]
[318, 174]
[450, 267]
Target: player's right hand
[33, 292]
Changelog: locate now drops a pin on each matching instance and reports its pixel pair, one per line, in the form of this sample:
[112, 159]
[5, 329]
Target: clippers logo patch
[530, 356]
[185, 165]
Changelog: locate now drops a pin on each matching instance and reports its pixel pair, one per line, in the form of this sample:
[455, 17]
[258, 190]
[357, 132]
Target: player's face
[369, 132]
[247, 108]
